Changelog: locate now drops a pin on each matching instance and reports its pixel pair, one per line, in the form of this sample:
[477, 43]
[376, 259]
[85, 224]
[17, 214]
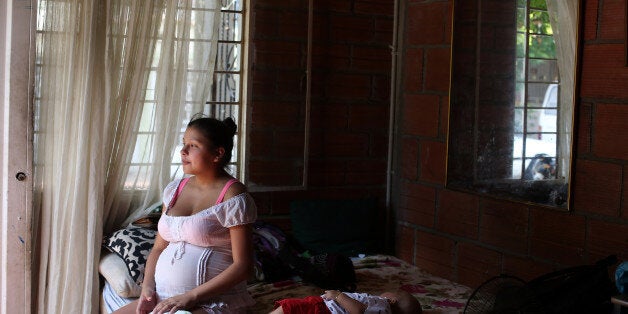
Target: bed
[375, 274]
[125, 251]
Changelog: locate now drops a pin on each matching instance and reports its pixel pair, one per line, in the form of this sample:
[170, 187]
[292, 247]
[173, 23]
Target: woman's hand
[178, 302]
[147, 301]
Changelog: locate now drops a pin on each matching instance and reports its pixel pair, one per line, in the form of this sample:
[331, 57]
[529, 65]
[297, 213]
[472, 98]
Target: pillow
[133, 246]
[336, 226]
[114, 269]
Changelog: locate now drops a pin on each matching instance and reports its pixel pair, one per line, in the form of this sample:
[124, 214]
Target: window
[512, 99]
[222, 101]
[225, 98]
[537, 83]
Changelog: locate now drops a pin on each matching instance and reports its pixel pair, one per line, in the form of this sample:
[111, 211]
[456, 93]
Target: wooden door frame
[17, 30]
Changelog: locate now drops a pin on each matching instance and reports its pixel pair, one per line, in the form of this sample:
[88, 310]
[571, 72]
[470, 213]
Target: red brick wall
[351, 70]
[468, 238]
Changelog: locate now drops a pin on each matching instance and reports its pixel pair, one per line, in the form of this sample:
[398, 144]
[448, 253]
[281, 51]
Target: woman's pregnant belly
[182, 267]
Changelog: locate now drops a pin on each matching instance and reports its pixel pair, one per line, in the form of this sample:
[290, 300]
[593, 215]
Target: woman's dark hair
[219, 133]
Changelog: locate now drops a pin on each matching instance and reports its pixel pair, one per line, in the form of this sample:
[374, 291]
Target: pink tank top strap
[179, 188]
[224, 190]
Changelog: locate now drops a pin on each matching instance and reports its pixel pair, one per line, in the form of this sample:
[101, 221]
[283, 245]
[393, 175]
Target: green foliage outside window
[538, 31]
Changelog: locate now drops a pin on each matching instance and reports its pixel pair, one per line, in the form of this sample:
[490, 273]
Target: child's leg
[127, 309]
[278, 310]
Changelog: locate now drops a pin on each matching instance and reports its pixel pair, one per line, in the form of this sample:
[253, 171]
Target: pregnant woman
[202, 254]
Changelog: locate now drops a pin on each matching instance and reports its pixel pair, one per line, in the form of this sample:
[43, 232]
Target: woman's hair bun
[231, 125]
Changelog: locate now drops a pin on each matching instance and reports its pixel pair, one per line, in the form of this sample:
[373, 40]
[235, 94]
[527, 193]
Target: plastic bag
[621, 277]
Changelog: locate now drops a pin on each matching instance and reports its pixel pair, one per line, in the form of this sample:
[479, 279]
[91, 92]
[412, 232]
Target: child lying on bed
[334, 301]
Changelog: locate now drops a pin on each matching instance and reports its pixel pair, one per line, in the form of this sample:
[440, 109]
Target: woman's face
[198, 155]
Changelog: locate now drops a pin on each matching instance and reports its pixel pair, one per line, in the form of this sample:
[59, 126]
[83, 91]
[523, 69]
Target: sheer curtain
[564, 20]
[116, 80]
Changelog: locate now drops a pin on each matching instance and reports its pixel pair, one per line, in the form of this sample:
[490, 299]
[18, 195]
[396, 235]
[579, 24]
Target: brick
[606, 238]
[345, 144]
[317, 144]
[409, 159]
[590, 19]
[597, 187]
[261, 143]
[380, 90]
[612, 26]
[329, 116]
[265, 24]
[319, 84]
[437, 69]
[289, 145]
[383, 30]
[326, 178]
[349, 86]
[293, 25]
[273, 173]
[263, 203]
[603, 72]
[284, 115]
[338, 6]
[609, 127]
[413, 73]
[267, 55]
[372, 59]
[278, 4]
[328, 165]
[420, 115]
[435, 254]
[525, 268]
[322, 29]
[374, 7]
[417, 204]
[379, 144]
[585, 121]
[505, 225]
[477, 264]
[405, 249]
[444, 115]
[291, 87]
[331, 56]
[352, 29]
[624, 199]
[366, 172]
[448, 23]
[426, 23]
[280, 201]
[367, 166]
[264, 84]
[557, 236]
[372, 178]
[458, 214]
[433, 160]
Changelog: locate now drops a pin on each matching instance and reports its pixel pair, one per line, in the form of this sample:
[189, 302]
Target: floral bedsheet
[375, 274]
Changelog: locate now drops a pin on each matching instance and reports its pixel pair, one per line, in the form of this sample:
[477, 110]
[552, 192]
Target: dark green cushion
[335, 226]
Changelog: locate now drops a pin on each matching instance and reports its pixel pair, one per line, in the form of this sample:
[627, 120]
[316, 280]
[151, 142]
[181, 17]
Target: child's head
[217, 133]
[402, 302]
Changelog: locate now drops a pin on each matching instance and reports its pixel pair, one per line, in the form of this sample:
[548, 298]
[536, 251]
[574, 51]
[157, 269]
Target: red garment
[307, 305]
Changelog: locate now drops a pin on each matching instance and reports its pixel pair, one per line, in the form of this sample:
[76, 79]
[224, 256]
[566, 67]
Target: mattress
[375, 274]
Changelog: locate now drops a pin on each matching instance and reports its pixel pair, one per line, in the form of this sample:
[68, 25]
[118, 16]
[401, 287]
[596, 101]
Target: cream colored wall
[16, 23]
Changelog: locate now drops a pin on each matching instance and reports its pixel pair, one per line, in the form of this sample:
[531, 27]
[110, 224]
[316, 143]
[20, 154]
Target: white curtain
[116, 80]
[564, 20]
